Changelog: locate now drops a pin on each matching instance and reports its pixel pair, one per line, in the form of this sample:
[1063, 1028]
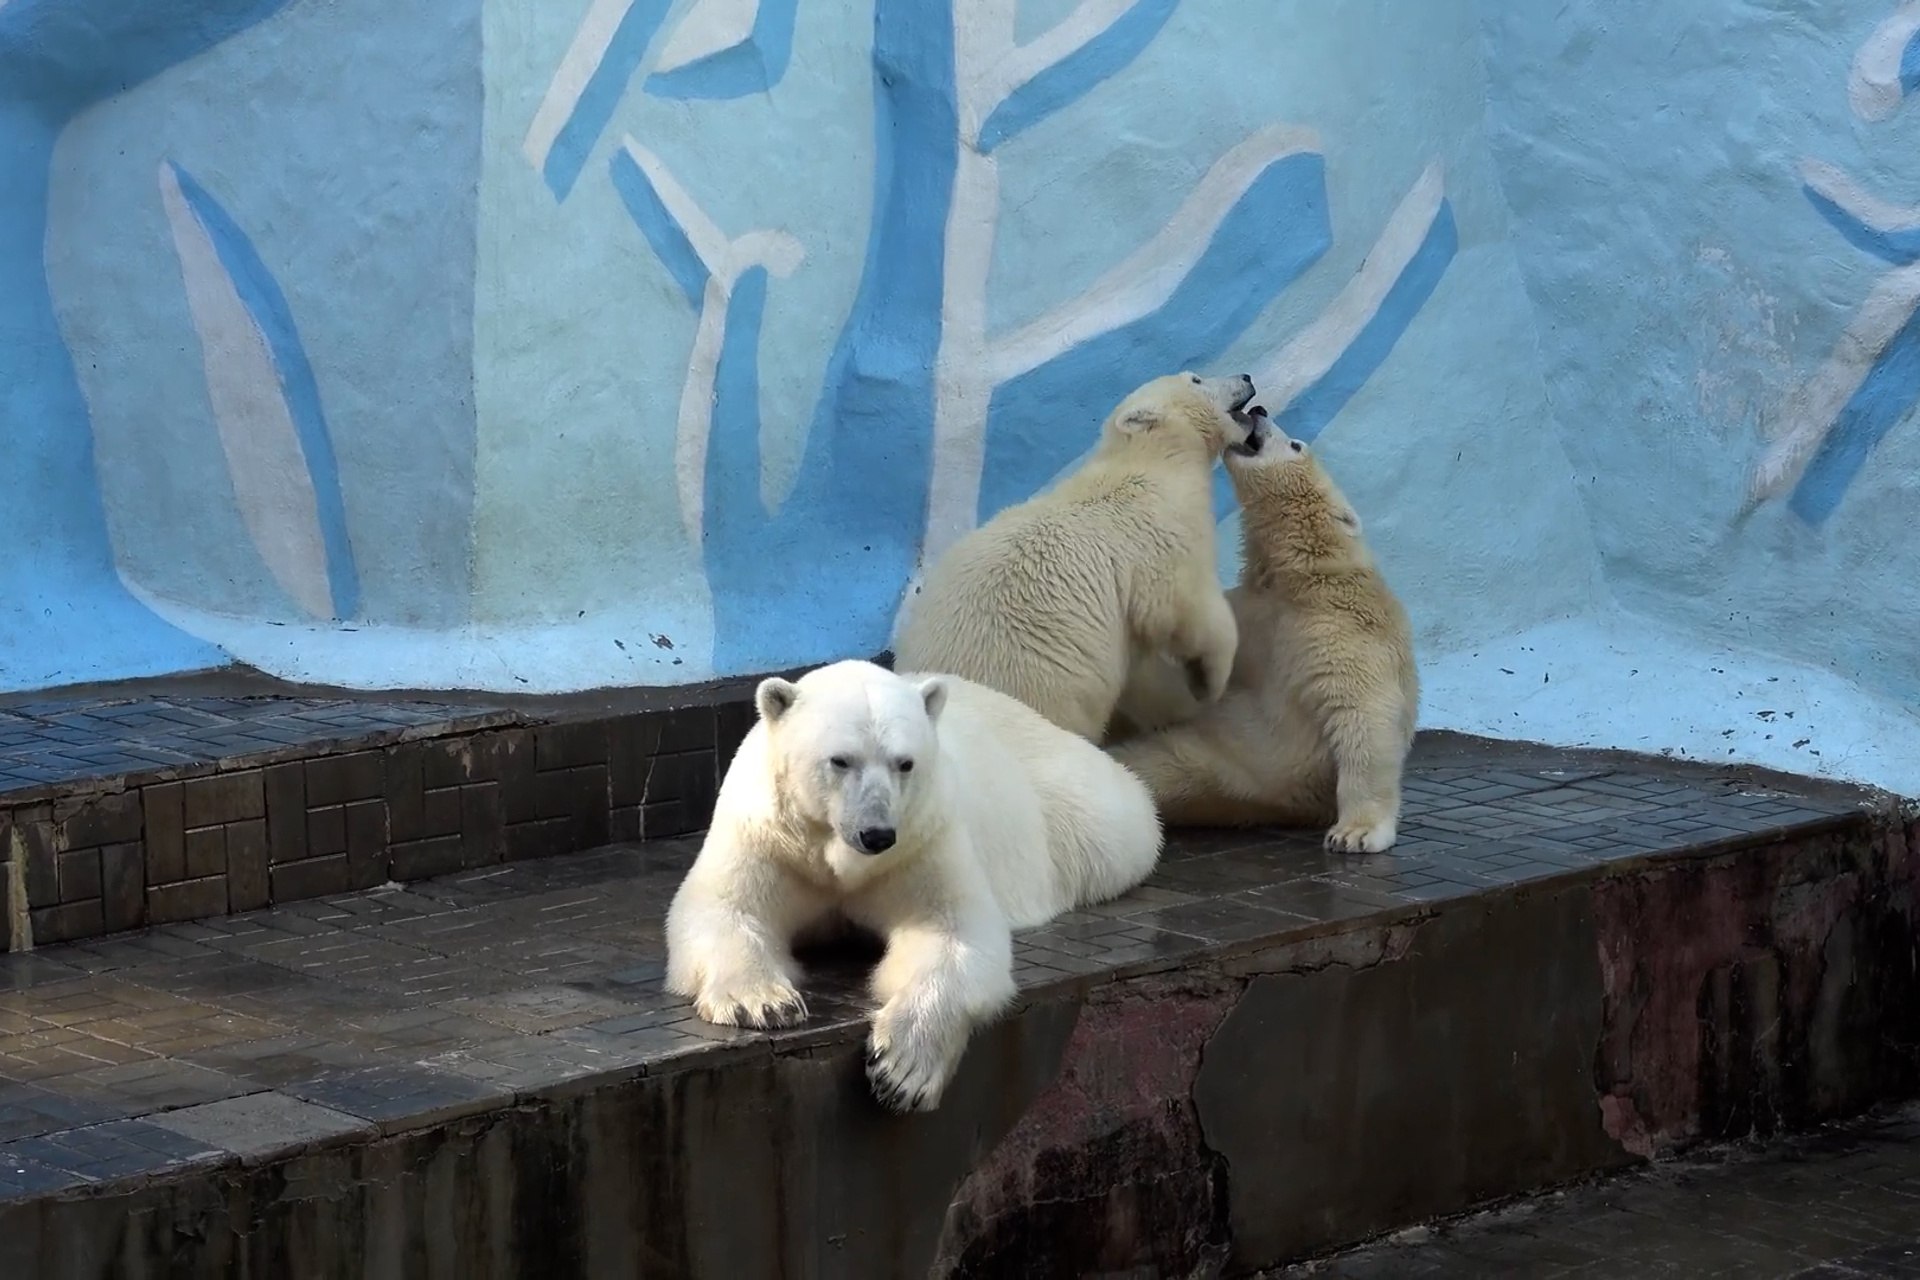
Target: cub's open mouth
[1254, 419]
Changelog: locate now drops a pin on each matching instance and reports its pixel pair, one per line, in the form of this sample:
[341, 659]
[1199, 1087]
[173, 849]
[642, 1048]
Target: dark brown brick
[671, 776]
[166, 833]
[286, 792]
[687, 777]
[358, 775]
[224, 797]
[624, 824]
[33, 836]
[483, 825]
[670, 819]
[419, 859]
[562, 793]
[187, 900]
[570, 745]
[588, 807]
[326, 832]
[67, 922]
[731, 722]
[99, 820]
[518, 797]
[547, 839]
[79, 875]
[446, 763]
[687, 729]
[247, 885]
[367, 861]
[415, 812]
[632, 742]
[123, 886]
[406, 786]
[439, 814]
[314, 878]
[206, 852]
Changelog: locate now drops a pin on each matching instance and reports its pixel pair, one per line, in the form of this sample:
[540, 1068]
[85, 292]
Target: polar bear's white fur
[1053, 599]
[936, 813]
[1320, 713]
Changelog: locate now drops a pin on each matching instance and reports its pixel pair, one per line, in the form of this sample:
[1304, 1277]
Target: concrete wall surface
[541, 347]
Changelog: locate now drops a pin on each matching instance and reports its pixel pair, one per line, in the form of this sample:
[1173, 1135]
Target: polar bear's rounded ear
[1138, 421]
[933, 692]
[775, 697]
[1348, 517]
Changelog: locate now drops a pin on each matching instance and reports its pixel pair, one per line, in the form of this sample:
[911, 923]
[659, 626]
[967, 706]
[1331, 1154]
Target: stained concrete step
[1839, 1204]
[1570, 964]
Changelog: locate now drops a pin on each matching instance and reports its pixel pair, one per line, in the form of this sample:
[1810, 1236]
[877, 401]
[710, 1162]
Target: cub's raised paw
[907, 1072]
[1358, 835]
[763, 1006]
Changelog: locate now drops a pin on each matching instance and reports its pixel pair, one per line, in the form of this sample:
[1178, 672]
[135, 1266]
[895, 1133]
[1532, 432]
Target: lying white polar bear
[936, 813]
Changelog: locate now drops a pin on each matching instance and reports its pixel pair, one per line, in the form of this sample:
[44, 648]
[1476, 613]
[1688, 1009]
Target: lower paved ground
[1838, 1205]
[328, 1020]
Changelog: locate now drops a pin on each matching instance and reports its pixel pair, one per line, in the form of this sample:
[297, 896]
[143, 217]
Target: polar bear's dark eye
[1196, 379]
[1296, 446]
[841, 762]
[905, 766]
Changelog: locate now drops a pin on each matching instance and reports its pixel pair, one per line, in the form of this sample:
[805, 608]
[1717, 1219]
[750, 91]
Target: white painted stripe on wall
[709, 243]
[709, 27]
[1306, 359]
[1873, 82]
[1839, 187]
[570, 79]
[1812, 408]
[1147, 277]
[271, 480]
[1001, 76]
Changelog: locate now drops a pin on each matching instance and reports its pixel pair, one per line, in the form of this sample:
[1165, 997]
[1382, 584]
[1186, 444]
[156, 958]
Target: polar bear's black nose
[876, 839]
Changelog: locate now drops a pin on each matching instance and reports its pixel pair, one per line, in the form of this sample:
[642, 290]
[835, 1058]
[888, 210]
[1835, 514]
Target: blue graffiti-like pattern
[823, 575]
[57, 58]
[1891, 389]
[754, 65]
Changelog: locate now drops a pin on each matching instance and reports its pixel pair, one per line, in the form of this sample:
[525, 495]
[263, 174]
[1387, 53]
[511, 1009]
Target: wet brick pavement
[1839, 1205]
[240, 1036]
[56, 741]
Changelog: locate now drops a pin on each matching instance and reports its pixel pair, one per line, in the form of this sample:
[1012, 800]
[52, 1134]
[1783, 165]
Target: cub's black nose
[876, 839]
[1247, 378]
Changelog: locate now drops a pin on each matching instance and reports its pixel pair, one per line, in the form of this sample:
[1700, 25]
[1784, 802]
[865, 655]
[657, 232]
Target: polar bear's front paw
[909, 1063]
[766, 1004]
[1362, 834]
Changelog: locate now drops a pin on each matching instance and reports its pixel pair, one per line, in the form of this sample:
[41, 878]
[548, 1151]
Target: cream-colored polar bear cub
[1051, 600]
[936, 813]
[1319, 715]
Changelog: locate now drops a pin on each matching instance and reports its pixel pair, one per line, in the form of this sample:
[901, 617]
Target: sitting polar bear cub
[1319, 716]
[1053, 599]
[937, 813]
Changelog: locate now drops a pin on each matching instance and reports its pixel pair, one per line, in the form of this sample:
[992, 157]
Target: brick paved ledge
[1571, 964]
[181, 799]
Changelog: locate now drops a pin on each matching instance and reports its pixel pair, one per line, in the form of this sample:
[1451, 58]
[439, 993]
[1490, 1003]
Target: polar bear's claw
[1361, 836]
[900, 1083]
[763, 1009]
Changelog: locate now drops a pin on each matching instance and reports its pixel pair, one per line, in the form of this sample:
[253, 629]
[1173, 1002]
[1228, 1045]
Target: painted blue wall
[824, 457]
[523, 346]
[1690, 286]
[332, 154]
[66, 617]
